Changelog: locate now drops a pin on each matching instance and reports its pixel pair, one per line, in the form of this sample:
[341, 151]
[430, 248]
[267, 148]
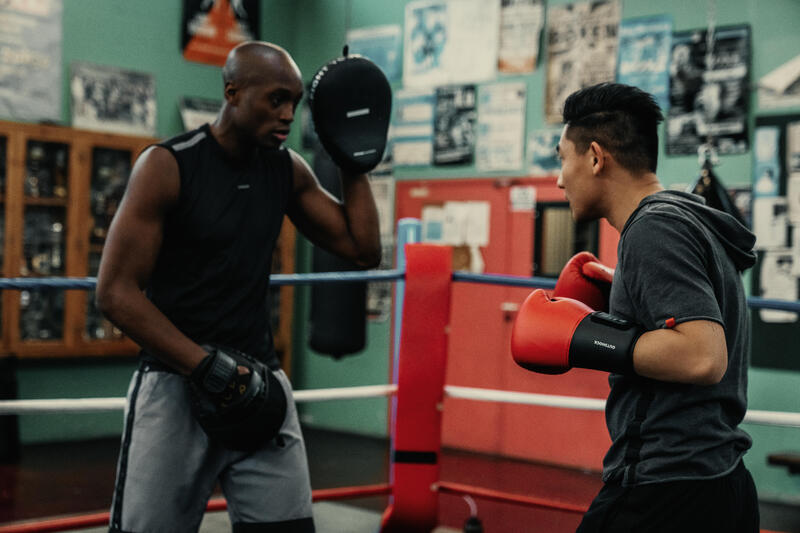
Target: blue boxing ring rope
[89, 283]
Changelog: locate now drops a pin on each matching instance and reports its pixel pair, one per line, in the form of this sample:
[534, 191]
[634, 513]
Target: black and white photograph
[455, 115]
[113, 100]
[709, 102]
[582, 43]
[198, 111]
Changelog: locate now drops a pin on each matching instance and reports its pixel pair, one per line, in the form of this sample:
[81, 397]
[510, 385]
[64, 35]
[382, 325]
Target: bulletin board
[776, 222]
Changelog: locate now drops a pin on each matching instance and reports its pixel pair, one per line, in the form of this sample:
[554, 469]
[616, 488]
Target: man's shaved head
[256, 62]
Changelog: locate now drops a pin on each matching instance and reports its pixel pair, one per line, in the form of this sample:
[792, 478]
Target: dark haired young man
[675, 339]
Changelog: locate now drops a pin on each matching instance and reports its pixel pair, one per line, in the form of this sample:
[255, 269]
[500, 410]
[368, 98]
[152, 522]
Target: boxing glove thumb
[585, 279]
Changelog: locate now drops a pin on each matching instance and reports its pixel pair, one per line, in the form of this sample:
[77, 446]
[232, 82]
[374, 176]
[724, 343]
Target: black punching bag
[709, 186]
[338, 310]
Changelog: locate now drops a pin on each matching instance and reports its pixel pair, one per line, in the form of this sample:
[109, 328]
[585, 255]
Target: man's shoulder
[185, 140]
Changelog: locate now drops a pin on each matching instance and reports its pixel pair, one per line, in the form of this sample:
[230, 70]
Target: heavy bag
[709, 186]
[338, 321]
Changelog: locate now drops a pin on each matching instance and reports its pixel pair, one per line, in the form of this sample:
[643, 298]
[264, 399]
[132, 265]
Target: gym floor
[74, 478]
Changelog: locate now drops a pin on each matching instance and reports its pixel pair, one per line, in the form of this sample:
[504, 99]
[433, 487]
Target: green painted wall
[144, 35]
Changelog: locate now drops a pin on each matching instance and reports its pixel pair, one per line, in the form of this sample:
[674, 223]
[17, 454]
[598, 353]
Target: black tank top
[212, 273]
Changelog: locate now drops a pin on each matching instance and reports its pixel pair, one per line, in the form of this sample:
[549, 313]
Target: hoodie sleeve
[664, 270]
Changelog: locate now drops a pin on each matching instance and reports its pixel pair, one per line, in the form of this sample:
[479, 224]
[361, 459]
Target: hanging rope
[707, 153]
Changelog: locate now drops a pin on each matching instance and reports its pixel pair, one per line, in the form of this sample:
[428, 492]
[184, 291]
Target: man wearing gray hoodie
[676, 337]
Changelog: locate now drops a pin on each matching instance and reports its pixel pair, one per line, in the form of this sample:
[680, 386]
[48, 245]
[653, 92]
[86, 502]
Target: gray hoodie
[680, 259]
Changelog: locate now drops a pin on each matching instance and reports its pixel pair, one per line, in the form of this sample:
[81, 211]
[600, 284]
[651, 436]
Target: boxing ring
[422, 312]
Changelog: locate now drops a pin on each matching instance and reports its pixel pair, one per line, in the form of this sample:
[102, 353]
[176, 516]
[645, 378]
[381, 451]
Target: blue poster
[644, 51]
[381, 44]
[30, 60]
[412, 127]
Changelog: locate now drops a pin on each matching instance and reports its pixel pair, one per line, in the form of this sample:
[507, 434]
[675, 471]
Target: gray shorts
[167, 469]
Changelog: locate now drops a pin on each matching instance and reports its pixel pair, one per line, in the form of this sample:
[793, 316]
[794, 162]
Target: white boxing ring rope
[85, 405]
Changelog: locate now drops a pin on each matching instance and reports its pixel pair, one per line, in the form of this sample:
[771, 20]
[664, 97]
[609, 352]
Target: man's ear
[599, 157]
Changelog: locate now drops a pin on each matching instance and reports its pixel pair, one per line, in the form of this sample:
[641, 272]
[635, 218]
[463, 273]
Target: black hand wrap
[351, 105]
[238, 411]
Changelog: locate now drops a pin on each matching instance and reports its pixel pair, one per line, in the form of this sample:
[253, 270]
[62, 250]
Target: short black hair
[621, 118]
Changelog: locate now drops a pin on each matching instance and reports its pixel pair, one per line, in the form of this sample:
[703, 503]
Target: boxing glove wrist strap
[604, 342]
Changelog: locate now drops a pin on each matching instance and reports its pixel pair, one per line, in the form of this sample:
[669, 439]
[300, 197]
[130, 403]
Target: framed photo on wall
[112, 99]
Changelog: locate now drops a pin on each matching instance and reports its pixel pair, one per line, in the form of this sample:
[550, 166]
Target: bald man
[186, 266]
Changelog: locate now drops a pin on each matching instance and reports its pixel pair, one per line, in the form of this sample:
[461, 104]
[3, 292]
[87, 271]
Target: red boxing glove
[585, 279]
[552, 335]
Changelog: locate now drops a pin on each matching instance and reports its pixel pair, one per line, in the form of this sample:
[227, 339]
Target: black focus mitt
[351, 106]
[239, 411]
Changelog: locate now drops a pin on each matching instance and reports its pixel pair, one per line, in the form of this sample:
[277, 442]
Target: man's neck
[627, 194]
[226, 136]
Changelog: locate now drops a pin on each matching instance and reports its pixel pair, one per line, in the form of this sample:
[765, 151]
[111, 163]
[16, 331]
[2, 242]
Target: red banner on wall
[212, 27]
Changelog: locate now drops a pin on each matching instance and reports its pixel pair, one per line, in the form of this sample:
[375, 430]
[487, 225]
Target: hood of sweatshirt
[736, 238]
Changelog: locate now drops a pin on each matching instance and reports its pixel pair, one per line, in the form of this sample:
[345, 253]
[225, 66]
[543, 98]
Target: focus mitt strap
[240, 411]
[351, 105]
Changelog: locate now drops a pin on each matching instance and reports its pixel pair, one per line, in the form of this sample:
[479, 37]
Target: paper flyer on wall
[412, 127]
[455, 116]
[30, 62]
[379, 294]
[766, 164]
[198, 111]
[771, 222]
[778, 282]
[112, 99]
[644, 50]
[450, 42]
[521, 23]
[781, 86]
[582, 50]
[542, 156]
[501, 126]
[381, 44]
[709, 100]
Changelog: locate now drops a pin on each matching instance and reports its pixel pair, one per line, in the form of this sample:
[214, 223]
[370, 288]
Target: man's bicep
[136, 232]
[312, 209]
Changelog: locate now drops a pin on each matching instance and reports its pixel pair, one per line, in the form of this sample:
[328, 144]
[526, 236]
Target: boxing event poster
[211, 28]
[450, 42]
[30, 62]
[581, 51]
[644, 49]
[501, 126]
[709, 99]
[112, 99]
[381, 44]
[455, 114]
[412, 127]
[542, 156]
[521, 23]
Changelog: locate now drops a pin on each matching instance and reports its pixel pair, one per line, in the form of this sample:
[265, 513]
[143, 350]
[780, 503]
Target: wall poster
[212, 27]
